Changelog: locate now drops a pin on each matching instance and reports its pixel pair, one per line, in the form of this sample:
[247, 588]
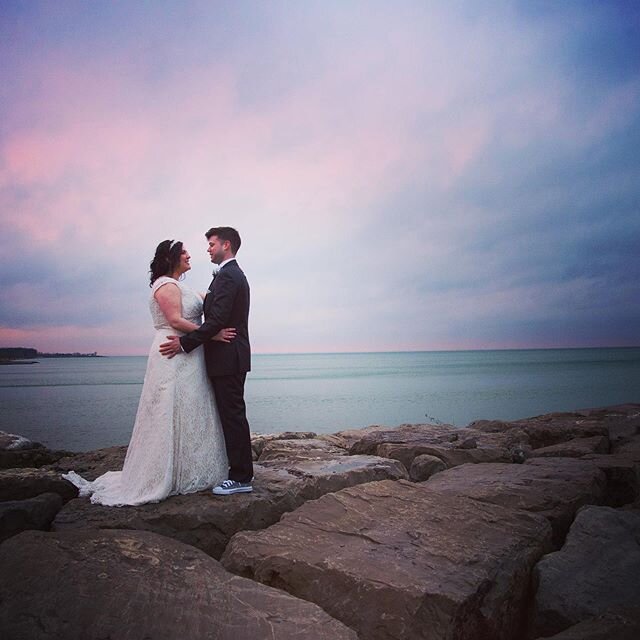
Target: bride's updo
[166, 260]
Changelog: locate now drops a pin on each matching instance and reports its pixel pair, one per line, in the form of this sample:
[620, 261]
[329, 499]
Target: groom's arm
[218, 317]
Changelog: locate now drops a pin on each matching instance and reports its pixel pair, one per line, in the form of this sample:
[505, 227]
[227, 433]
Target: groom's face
[217, 250]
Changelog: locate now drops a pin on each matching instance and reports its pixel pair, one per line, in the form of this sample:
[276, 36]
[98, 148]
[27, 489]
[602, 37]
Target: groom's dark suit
[227, 305]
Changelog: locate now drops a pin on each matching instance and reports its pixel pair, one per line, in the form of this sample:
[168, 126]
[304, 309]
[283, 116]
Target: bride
[177, 444]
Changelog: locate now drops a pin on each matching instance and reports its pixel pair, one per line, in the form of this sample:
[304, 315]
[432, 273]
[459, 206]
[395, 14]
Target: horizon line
[320, 353]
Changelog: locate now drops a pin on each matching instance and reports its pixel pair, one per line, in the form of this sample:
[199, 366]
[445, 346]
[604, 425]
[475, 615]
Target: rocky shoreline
[499, 530]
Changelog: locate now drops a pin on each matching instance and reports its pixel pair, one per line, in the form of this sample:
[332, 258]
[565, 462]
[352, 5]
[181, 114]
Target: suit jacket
[225, 305]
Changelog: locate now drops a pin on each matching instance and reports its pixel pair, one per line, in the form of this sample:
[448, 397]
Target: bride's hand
[225, 335]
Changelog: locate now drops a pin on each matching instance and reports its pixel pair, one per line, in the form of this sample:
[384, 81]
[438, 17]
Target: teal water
[87, 403]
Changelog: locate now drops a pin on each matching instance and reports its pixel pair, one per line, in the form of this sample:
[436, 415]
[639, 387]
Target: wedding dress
[177, 445]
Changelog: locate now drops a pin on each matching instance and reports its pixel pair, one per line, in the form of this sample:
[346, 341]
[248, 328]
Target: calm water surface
[86, 403]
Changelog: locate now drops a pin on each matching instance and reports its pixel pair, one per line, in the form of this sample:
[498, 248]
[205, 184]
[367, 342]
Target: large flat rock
[91, 464]
[21, 484]
[623, 477]
[397, 560]
[616, 422]
[22, 515]
[454, 446]
[208, 522]
[258, 441]
[575, 448]
[614, 625]
[597, 570]
[127, 585]
[286, 449]
[553, 487]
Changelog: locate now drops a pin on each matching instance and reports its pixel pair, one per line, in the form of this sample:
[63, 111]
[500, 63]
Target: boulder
[451, 454]
[397, 560]
[622, 421]
[91, 464]
[91, 585]
[303, 449]
[621, 624]
[405, 434]
[424, 466]
[34, 513]
[549, 429]
[14, 442]
[553, 487]
[597, 570]
[17, 451]
[452, 445]
[347, 438]
[21, 483]
[629, 448]
[208, 522]
[258, 441]
[623, 477]
[575, 448]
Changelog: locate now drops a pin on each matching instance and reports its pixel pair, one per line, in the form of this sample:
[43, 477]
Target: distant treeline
[26, 353]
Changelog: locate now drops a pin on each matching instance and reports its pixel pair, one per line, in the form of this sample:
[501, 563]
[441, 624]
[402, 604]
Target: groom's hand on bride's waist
[172, 347]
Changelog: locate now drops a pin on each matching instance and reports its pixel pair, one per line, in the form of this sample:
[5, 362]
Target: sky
[406, 175]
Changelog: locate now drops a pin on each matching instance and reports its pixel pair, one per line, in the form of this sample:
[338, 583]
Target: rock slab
[34, 513]
[208, 522]
[23, 483]
[127, 585]
[597, 570]
[18, 451]
[553, 487]
[395, 560]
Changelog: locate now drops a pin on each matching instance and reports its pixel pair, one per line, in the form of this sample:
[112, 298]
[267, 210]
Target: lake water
[87, 403]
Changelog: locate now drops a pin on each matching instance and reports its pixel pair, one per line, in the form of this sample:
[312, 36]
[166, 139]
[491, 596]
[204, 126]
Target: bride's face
[185, 261]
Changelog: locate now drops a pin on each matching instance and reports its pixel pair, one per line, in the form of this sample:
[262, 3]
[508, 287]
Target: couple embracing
[191, 431]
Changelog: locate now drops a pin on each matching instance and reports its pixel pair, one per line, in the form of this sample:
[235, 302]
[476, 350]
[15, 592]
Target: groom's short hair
[226, 233]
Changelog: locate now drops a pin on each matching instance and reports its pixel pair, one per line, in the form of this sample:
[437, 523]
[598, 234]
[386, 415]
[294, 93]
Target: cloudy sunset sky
[404, 175]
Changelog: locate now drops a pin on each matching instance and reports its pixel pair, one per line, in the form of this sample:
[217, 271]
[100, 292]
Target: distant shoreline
[28, 355]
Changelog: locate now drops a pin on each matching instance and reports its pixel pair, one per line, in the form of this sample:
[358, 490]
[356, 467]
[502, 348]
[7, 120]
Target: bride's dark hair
[166, 260]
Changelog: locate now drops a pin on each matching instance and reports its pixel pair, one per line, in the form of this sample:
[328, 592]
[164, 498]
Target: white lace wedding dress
[177, 445]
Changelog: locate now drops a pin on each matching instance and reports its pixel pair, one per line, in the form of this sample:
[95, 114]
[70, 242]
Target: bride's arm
[170, 300]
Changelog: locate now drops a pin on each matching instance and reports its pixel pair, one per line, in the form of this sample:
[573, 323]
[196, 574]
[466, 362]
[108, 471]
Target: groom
[226, 305]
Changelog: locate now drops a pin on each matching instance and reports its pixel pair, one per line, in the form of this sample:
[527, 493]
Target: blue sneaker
[227, 487]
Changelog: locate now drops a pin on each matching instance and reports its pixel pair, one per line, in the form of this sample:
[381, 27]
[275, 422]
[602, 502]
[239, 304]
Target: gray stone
[549, 429]
[20, 484]
[596, 570]
[397, 560]
[553, 487]
[33, 513]
[208, 522]
[17, 451]
[451, 445]
[623, 477]
[406, 434]
[424, 466]
[348, 437]
[621, 624]
[576, 448]
[629, 448]
[302, 449]
[126, 585]
[259, 441]
[91, 464]
[14, 442]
